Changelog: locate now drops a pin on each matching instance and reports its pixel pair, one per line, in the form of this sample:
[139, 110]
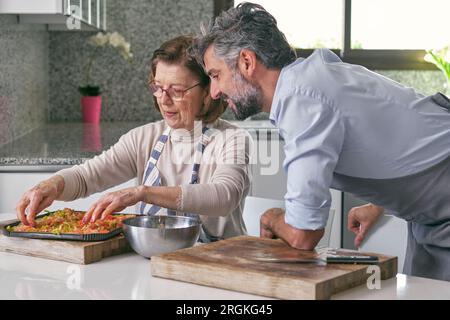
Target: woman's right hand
[38, 198]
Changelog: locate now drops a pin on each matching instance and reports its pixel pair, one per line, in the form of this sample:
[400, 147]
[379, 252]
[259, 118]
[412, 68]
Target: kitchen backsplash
[24, 75]
[40, 71]
[145, 24]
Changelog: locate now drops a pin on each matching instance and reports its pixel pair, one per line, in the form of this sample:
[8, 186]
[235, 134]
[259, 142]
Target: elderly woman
[189, 162]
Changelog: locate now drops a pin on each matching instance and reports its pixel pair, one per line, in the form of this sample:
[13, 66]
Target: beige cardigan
[224, 176]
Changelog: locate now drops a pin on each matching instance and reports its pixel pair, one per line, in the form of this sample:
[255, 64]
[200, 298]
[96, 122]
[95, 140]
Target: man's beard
[248, 100]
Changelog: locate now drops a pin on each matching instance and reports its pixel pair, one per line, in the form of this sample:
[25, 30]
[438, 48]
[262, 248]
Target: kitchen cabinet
[268, 176]
[14, 184]
[387, 236]
[59, 15]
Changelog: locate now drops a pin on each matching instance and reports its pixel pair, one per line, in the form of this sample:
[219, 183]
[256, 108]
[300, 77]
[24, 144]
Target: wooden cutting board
[229, 264]
[71, 251]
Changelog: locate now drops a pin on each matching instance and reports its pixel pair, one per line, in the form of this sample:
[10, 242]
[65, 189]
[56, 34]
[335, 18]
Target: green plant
[100, 40]
[440, 58]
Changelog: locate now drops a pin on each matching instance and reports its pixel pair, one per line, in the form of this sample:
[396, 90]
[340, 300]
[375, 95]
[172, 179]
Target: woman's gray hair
[248, 26]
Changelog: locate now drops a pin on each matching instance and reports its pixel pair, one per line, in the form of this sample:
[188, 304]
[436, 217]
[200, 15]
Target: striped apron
[152, 177]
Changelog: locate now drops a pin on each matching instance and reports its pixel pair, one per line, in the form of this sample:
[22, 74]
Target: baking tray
[61, 236]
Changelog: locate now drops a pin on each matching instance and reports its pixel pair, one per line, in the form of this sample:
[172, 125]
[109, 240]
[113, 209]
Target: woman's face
[179, 114]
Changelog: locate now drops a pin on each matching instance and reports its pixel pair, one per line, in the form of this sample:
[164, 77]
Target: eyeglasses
[174, 93]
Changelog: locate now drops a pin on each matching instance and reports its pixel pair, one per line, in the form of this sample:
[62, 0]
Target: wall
[23, 77]
[145, 24]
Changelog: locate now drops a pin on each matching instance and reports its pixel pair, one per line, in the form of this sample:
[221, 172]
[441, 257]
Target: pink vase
[91, 108]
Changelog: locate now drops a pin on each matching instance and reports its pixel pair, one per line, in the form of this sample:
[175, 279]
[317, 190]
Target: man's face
[243, 98]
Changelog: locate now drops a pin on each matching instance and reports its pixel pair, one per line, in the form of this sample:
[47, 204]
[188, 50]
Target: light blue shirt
[343, 118]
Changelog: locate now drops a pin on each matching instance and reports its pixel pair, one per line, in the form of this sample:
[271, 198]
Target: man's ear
[247, 63]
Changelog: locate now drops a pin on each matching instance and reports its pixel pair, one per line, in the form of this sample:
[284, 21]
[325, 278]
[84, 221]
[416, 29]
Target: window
[381, 34]
[400, 24]
[308, 24]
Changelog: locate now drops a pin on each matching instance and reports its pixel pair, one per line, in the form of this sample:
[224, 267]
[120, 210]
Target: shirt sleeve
[112, 167]
[314, 135]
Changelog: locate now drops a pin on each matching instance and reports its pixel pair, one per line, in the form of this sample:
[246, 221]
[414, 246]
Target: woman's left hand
[114, 202]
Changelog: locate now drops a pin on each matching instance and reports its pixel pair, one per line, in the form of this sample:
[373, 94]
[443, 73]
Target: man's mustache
[223, 97]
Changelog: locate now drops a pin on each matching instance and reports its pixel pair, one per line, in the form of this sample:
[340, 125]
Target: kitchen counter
[67, 144]
[62, 144]
[128, 276]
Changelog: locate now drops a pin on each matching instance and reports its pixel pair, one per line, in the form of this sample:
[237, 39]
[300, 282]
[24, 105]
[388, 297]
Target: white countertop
[128, 276]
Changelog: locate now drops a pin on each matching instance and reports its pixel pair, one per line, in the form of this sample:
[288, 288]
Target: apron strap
[442, 100]
[151, 175]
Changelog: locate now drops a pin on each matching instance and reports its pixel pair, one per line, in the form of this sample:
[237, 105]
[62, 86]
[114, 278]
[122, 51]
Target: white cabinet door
[268, 176]
[388, 236]
[32, 6]
[60, 15]
[13, 185]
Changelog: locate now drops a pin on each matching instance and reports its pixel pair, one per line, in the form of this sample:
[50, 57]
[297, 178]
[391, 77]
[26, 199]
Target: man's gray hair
[248, 26]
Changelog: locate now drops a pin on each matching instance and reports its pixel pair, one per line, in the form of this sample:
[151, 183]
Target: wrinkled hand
[38, 198]
[361, 219]
[268, 221]
[114, 202]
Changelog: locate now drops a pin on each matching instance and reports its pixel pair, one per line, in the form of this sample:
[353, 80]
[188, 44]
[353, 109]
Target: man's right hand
[273, 225]
[361, 219]
[38, 198]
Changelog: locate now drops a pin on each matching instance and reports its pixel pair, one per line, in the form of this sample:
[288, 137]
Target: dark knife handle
[352, 259]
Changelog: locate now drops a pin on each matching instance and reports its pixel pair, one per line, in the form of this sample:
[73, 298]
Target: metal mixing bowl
[152, 235]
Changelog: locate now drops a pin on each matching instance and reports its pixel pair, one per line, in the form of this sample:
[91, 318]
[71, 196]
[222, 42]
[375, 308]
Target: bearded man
[344, 127]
